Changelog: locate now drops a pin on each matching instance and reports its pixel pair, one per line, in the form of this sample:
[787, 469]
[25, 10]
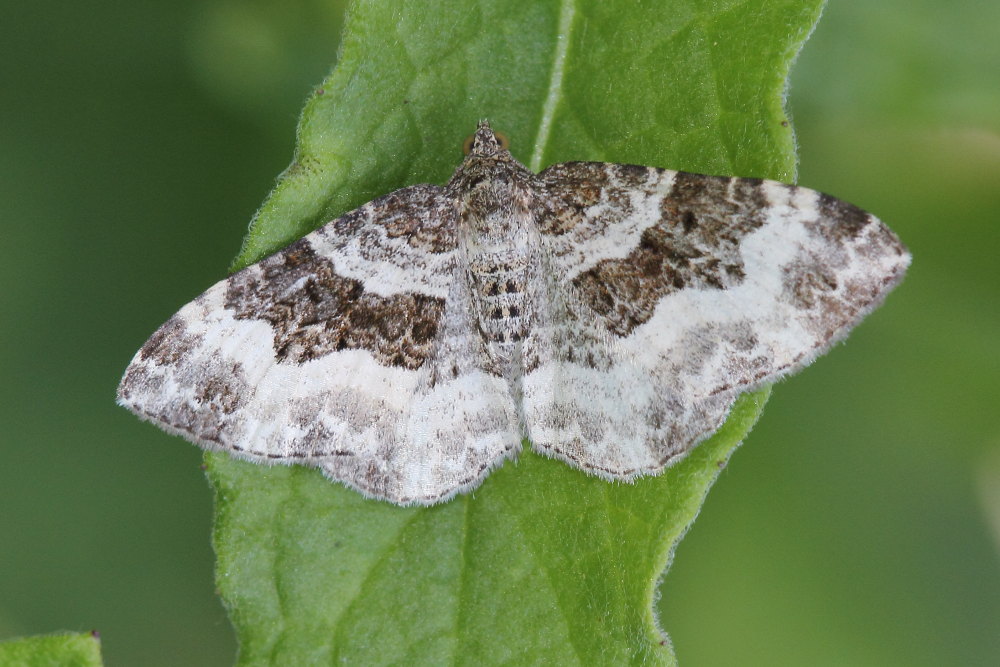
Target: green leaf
[542, 563]
[58, 650]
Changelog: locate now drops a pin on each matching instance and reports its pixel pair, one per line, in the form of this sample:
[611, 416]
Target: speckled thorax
[497, 228]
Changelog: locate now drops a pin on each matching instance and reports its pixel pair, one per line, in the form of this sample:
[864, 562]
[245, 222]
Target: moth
[608, 313]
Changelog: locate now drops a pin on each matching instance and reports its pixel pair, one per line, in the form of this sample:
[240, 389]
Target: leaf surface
[541, 564]
[57, 650]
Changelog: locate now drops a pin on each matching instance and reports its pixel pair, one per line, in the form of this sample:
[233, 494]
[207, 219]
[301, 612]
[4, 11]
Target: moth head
[485, 141]
[490, 179]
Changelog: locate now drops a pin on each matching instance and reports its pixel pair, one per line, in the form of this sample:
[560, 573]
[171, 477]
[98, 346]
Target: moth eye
[501, 139]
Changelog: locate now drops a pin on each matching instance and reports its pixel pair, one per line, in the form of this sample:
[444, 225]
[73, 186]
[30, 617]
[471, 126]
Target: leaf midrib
[567, 11]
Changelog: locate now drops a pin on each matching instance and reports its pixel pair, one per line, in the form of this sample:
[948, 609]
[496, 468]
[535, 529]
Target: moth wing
[349, 350]
[679, 292]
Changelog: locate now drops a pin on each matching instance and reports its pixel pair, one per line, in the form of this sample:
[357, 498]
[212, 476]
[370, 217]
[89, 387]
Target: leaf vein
[566, 15]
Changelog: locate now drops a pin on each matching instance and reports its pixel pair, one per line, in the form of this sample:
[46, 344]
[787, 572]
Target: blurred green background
[860, 524]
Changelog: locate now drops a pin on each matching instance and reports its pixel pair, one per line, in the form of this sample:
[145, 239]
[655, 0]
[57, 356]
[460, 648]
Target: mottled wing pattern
[682, 291]
[351, 350]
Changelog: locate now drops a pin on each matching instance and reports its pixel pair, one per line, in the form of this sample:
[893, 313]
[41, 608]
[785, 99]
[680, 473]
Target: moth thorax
[500, 225]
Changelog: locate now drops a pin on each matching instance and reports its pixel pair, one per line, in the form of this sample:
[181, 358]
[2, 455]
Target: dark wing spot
[695, 244]
[849, 219]
[313, 311]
